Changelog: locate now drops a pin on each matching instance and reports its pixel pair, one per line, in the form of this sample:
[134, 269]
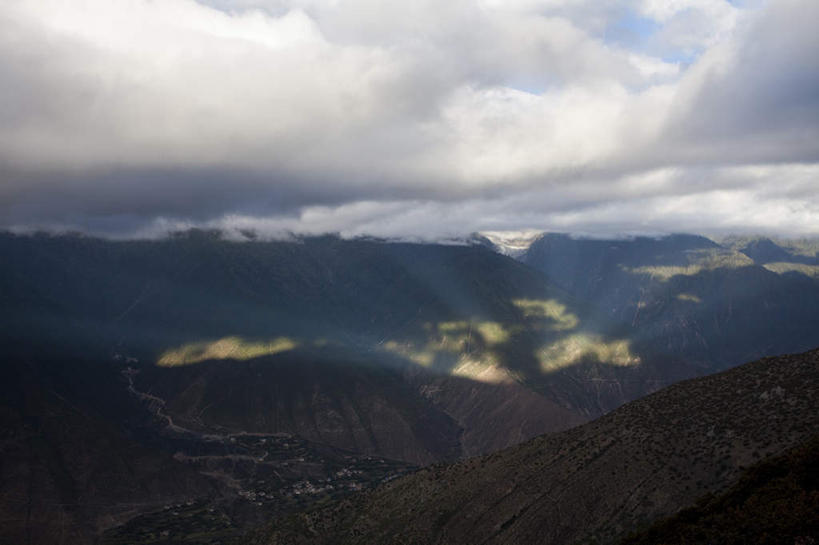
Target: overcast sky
[414, 118]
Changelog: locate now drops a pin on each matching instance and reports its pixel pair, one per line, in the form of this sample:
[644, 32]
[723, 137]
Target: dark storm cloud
[417, 119]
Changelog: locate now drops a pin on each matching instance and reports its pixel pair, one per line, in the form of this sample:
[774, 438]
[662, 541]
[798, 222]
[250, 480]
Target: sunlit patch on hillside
[700, 260]
[449, 340]
[480, 350]
[690, 297]
[492, 333]
[548, 309]
[574, 349]
[458, 336]
[453, 336]
[424, 356]
[482, 370]
[664, 272]
[462, 348]
[479, 365]
[235, 348]
[782, 268]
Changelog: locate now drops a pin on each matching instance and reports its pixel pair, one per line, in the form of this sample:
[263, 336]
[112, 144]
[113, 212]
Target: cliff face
[646, 460]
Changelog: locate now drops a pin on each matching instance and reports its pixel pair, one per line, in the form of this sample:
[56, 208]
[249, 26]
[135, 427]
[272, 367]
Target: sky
[421, 119]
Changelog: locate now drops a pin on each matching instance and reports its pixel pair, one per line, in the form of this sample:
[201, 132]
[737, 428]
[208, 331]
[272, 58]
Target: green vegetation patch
[782, 268]
[574, 349]
[226, 348]
[699, 260]
[548, 309]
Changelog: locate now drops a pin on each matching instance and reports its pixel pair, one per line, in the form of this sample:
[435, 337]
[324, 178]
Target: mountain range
[156, 387]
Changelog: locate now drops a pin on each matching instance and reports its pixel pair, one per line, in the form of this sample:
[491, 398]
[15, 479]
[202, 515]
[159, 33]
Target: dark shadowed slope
[140, 375]
[484, 339]
[68, 465]
[646, 460]
[775, 502]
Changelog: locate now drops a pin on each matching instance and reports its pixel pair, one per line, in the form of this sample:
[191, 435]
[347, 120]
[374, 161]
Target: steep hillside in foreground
[775, 502]
[596, 482]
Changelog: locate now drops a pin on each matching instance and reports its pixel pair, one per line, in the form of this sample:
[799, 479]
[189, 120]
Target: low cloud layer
[423, 119]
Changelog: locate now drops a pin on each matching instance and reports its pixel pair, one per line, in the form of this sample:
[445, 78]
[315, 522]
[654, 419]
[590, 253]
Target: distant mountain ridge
[710, 304]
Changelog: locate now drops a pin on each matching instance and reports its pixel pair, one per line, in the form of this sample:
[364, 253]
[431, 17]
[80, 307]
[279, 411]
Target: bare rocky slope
[593, 483]
[775, 502]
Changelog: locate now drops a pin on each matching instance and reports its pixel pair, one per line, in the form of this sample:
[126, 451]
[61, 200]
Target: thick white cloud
[415, 118]
[688, 26]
